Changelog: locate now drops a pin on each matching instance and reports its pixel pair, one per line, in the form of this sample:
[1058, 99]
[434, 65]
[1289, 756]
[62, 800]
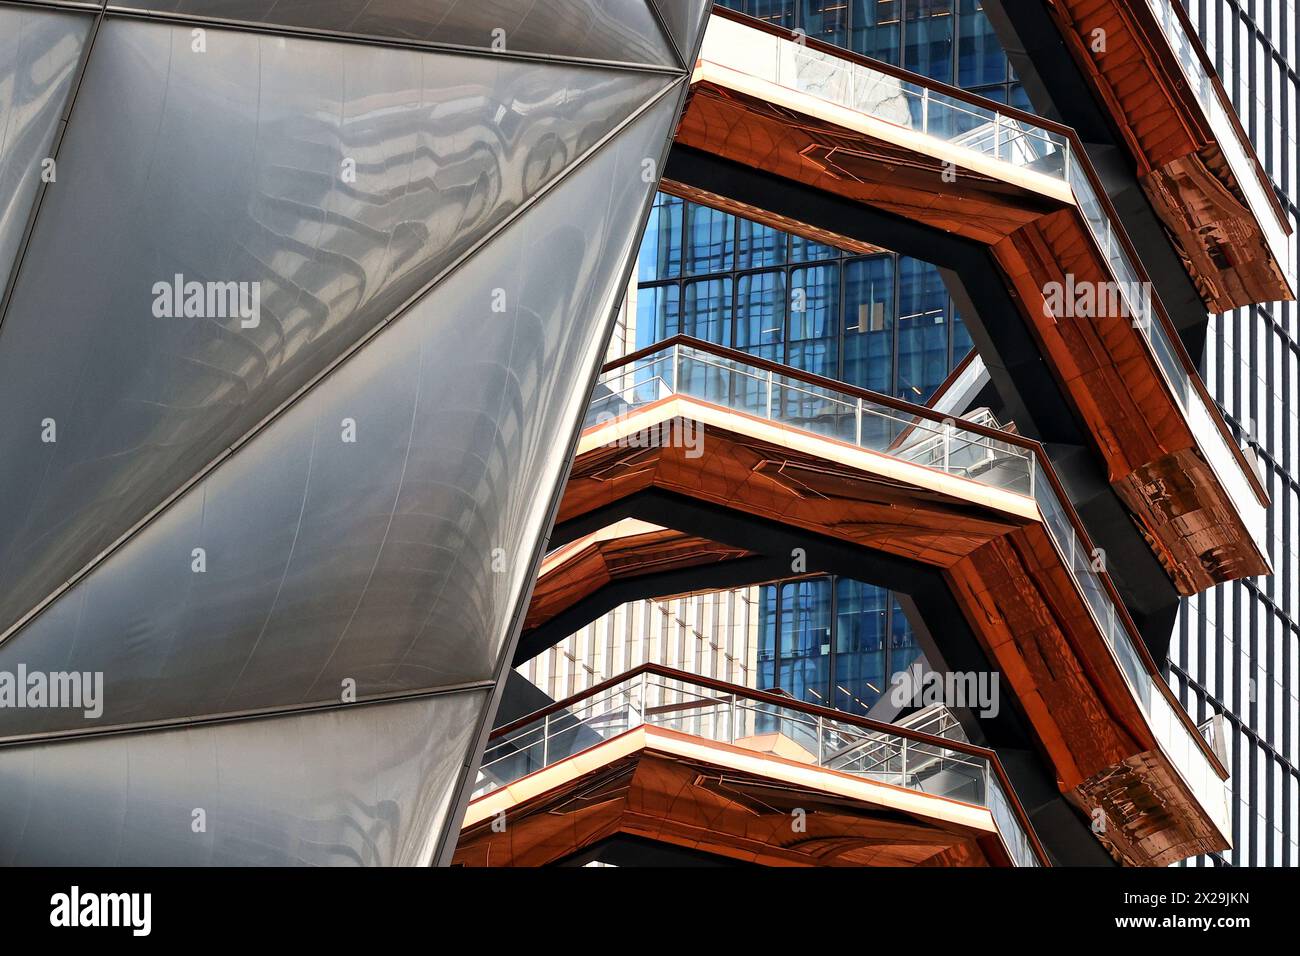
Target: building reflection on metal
[326, 478]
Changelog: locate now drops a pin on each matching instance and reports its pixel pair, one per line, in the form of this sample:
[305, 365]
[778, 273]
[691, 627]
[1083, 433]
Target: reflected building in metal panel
[279, 454]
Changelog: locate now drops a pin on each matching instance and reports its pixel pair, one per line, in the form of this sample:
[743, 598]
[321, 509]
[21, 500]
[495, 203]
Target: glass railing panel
[1008, 824]
[886, 97]
[814, 410]
[943, 772]
[554, 737]
[962, 123]
[821, 74]
[1135, 294]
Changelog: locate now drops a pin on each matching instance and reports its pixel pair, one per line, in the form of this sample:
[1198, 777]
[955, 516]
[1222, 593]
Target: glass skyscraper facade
[946, 40]
[832, 641]
[883, 322]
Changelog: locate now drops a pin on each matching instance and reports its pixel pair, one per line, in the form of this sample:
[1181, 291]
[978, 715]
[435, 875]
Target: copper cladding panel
[1145, 823]
[1191, 523]
[1103, 363]
[596, 563]
[1015, 593]
[747, 818]
[1017, 597]
[873, 171]
[1180, 165]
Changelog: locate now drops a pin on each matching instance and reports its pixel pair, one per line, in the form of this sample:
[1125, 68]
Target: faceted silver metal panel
[339, 178]
[622, 30]
[685, 22]
[39, 52]
[368, 784]
[396, 561]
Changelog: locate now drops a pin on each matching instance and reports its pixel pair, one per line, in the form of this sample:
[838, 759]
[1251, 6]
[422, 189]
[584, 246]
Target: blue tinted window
[861, 616]
[826, 20]
[903, 646]
[760, 314]
[660, 256]
[656, 314]
[876, 29]
[780, 12]
[706, 310]
[766, 637]
[829, 641]
[927, 35]
[804, 660]
[814, 319]
[1020, 99]
[759, 246]
[710, 239]
[961, 340]
[869, 322]
[921, 35]
[980, 59]
[806, 250]
[922, 330]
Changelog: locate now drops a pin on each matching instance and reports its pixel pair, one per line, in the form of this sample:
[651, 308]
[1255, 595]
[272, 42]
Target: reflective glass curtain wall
[947, 40]
[832, 641]
[882, 322]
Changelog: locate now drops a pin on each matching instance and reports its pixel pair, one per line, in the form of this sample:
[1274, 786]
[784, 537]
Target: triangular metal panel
[366, 785]
[318, 186]
[378, 534]
[613, 30]
[684, 20]
[39, 52]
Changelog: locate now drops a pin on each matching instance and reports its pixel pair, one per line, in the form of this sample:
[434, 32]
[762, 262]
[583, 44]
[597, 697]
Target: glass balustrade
[921, 437]
[792, 401]
[653, 698]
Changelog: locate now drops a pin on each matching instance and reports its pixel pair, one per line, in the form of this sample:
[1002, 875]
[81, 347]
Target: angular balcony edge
[872, 793]
[879, 137]
[986, 508]
[1194, 159]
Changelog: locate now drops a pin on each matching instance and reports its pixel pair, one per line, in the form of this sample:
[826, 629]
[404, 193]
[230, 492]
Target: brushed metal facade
[340, 178]
[39, 51]
[254, 517]
[609, 30]
[305, 789]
